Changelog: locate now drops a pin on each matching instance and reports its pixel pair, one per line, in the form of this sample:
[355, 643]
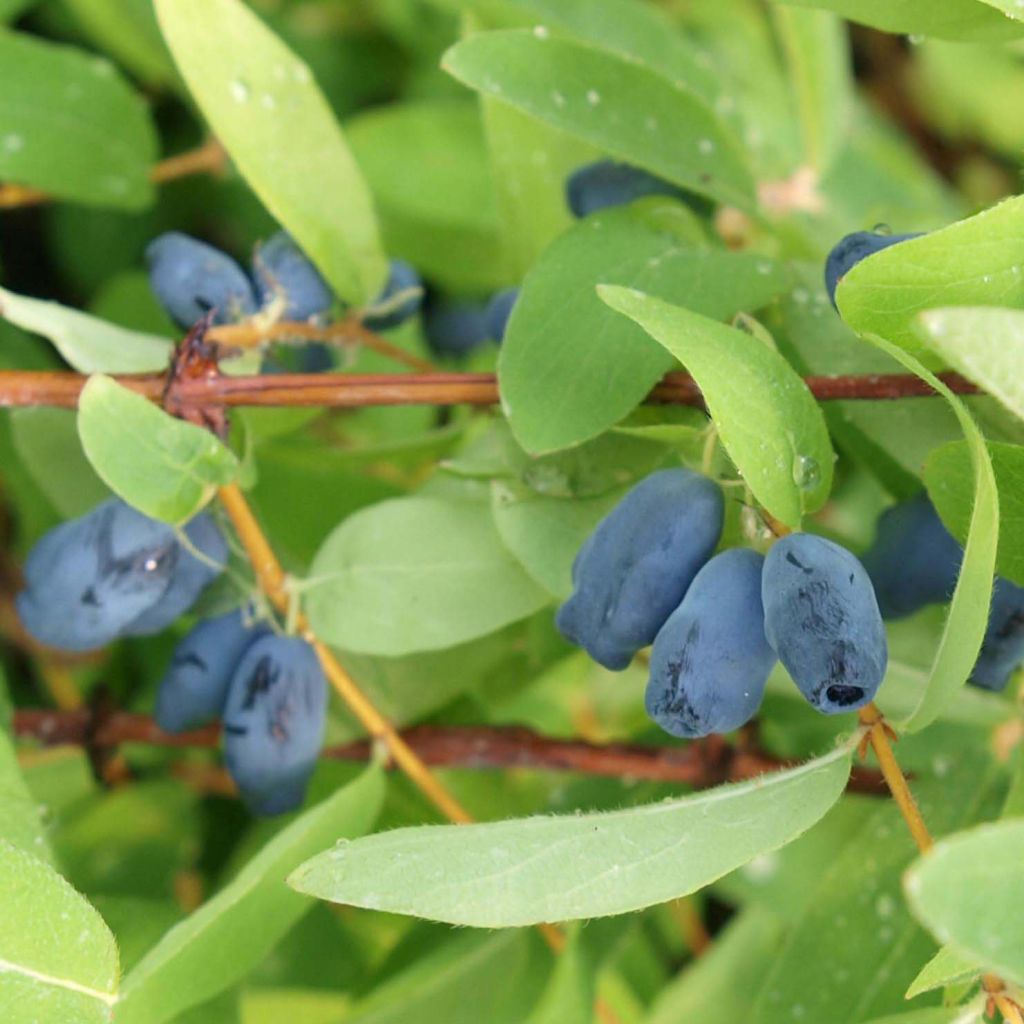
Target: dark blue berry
[190, 577]
[499, 309]
[711, 660]
[90, 578]
[822, 620]
[1003, 648]
[284, 272]
[851, 249]
[455, 329]
[274, 722]
[190, 278]
[914, 560]
[634, 569]
[194, 689]
[607, 183]
[402, 277]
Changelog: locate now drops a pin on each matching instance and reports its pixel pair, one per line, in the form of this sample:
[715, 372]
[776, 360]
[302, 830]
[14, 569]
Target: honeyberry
[914, 560]
[274, 722]
[190, 278]
[283, 272]
[499, 310]
[402, 277]
[193, 571]
[194, 688]
[853, 248]
[633, 570]
[454, 329]
[822, 620]
[711, 659]
[1003, 647]
[605, 183]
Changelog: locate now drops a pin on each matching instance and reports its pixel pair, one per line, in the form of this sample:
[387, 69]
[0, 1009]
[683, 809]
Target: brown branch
[209, 158]
[700, 764]
[352, 391]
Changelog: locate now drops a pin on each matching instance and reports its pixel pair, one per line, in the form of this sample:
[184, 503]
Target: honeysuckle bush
[431, 547]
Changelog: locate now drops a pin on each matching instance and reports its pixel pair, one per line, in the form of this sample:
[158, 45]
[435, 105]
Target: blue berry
[455, 329]
[194, 688]
[851, 249]
[274, 722]
[190, 278]
[90, 578]
[914, 560]
[711, 660]
[1003, 648]
[634, 569]
[402, 277]
[822, 620]
[281, 268]
[607, 183]
[191, 575]
[499, 309]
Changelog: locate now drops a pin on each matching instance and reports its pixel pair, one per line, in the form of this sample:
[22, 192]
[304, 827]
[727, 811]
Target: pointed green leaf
[596, 95]
[58, 961]
[968, 890]
[947, 967]
[231, 933]
[519, 872]
[767, 419]
[165, 467]
[272, 118]
[89, 344]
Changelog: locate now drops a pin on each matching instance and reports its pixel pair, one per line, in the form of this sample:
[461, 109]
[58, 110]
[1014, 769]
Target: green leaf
[985, 345]
[72, 126]
[1008, 7]
[165, 467]
[264, 106]
[503, 972]
[569, 995]
[816, 49]
[707, 990]
[58, 961]
[21, 818]
[948, 476]
[947, 967]
[217, 945]
[959, 20]
[47, 441]
[967, 893]
[596, 95]
[416, 574]
[975, 262]
[569, 367]
[530, 870]
[856, 937]
[968, 610]
[90, 345]
[767, 419]
[427, 166]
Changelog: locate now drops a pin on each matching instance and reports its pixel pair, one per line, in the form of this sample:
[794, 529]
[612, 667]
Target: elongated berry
[283, 272]
[853, 248]
[711, 659]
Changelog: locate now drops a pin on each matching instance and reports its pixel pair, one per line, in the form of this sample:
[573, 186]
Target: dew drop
[885, 905]
[239, 90]
[268, 101]
[706, 147]
[806, 472]
[13, 143]
[541, 31]
[651, 123]
[801, 296]
[558, 99]
[764, 267]
[593, 97]
[300, 73]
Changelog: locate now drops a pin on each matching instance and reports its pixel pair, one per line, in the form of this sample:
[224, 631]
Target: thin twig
[351, 391]
[209, 158]
[700, 764]
[878, 736]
